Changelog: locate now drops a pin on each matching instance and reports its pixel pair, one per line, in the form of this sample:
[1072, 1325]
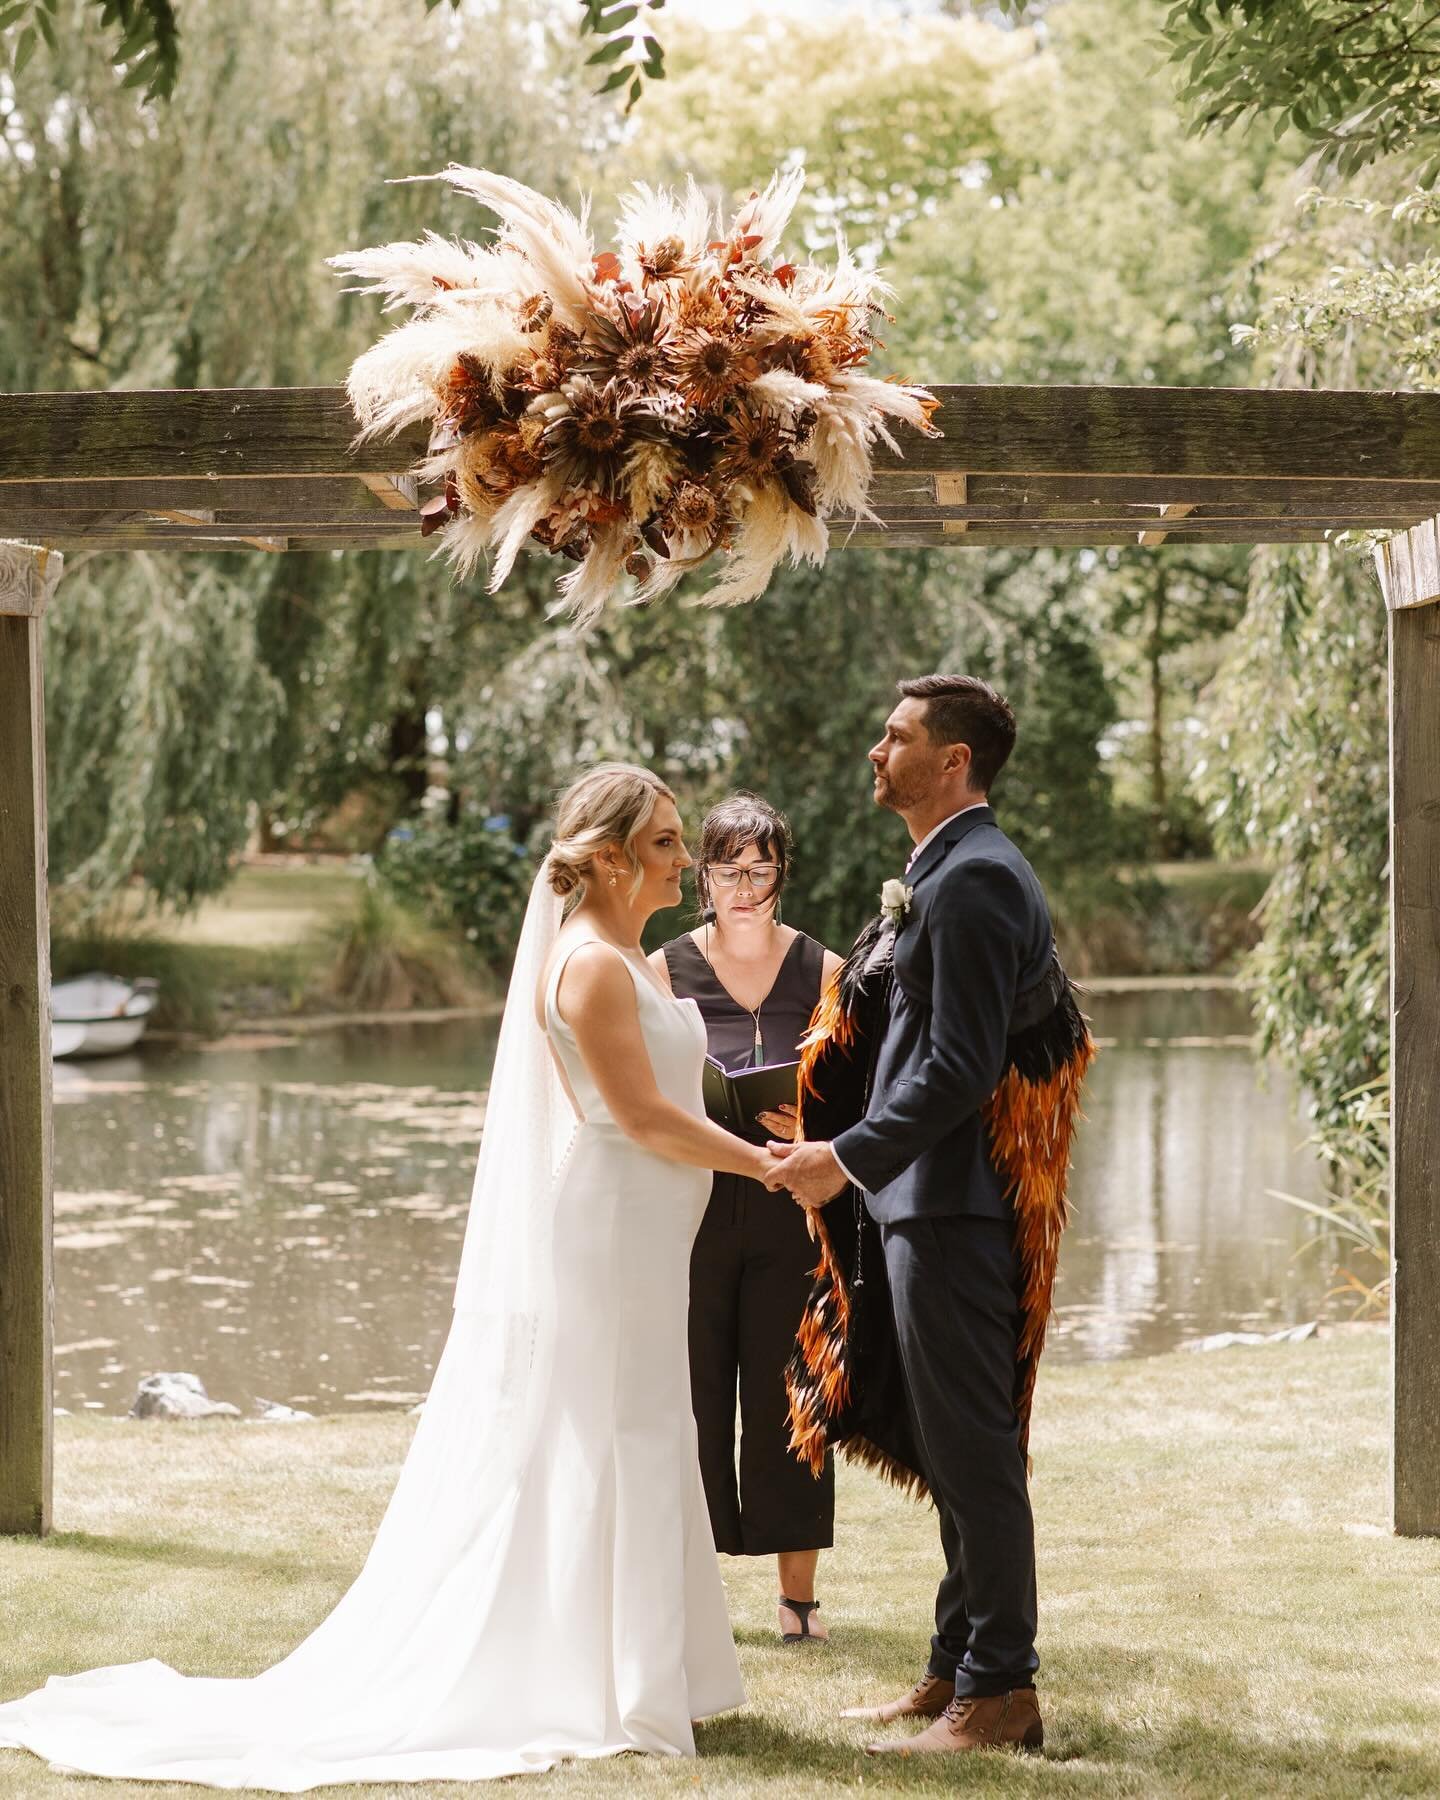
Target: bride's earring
[613, 878]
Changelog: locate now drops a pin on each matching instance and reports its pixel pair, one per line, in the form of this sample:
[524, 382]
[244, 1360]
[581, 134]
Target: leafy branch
[1359, 79]
[147, 47]
[628, 52]
[147, 40]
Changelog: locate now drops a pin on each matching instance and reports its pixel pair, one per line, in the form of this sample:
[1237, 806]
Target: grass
[1223, 1610]
[283, 938]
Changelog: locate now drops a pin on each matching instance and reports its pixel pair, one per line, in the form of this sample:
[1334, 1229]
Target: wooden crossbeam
[1167, 433]
[399, 492]
[1172, 510]
[296, 498]
[895, 485]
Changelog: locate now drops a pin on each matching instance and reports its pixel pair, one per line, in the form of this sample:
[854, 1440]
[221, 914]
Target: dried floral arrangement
[636, 410]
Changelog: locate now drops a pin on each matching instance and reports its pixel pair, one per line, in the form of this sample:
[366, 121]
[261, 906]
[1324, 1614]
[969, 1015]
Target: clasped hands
[808, 1170]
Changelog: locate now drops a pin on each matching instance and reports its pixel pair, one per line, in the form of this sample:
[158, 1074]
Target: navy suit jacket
[977, 934]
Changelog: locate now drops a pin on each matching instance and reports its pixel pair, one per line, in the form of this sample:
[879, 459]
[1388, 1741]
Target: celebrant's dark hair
[740, 819]
[962, 709]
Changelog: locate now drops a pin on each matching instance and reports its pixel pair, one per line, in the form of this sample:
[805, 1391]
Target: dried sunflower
[753, 445]
[629, 350]
[709, 366]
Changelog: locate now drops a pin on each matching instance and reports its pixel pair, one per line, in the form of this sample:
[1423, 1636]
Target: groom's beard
[900, 794]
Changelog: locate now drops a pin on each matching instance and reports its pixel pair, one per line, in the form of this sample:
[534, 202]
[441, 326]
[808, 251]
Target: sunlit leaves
[1358, 81]
[629, 54]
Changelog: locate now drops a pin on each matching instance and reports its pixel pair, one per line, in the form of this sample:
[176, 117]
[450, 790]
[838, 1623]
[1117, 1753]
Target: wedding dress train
[544, 1583]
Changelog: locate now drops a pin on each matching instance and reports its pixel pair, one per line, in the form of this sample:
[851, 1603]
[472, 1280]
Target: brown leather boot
[991, 1722]
[928, 1698]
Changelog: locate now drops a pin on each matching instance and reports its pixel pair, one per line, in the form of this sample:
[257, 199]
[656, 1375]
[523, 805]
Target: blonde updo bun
[609, 804]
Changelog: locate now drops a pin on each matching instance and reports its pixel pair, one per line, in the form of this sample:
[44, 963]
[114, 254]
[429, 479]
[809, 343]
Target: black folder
[734, 1098]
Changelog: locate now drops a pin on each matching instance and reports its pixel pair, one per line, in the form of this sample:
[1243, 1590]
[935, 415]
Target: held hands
[810, 1171]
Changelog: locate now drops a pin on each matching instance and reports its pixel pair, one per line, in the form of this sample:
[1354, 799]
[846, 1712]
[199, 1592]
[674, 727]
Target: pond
[284, 1216]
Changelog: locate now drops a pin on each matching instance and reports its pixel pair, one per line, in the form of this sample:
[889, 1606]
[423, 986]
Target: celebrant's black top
[729, 1028]
[749, 1281]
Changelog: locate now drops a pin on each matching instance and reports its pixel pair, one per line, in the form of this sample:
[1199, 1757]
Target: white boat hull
[99, 1015]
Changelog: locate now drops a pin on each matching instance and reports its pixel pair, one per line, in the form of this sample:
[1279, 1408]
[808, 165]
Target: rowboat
[99, 1015]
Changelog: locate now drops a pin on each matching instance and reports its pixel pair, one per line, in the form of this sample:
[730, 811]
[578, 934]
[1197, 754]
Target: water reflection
[285, 1219]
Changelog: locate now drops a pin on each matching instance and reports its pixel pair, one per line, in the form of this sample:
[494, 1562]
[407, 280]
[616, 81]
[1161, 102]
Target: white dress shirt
[914, 854]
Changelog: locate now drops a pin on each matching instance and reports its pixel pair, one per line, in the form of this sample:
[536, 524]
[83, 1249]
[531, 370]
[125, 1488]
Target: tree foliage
[1359, 80]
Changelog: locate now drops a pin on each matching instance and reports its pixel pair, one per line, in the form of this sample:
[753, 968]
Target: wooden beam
[27, 579]
[952, 491]
[1139, 515]
[1173, 434]
[1409, 567]
[895, 485]
[1075, 536]
[296, 498]
[1295, 434]
[1173, 510]
[399, 492]
[1415, 1063]
[146, 435]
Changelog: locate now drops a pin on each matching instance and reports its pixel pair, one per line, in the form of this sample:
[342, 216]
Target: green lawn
[270, 904]
[1224, 1612]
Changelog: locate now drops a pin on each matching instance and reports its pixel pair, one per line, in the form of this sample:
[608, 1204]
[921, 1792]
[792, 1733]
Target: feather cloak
[844, 1380]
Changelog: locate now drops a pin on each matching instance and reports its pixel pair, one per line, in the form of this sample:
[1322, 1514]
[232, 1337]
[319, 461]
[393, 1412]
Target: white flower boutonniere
[895, 900]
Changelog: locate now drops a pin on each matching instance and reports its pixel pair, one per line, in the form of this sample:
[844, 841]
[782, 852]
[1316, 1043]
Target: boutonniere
[895, 900]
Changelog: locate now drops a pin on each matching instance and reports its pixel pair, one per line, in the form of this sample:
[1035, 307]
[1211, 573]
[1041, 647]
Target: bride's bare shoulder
[592, 974]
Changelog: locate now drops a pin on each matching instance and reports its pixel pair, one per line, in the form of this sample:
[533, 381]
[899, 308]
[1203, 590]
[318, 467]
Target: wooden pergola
[275, 470]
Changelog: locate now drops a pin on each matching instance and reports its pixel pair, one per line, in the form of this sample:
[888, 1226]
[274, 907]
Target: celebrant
[756, 982]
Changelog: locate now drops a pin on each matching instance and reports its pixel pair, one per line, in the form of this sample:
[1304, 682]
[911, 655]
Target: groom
[974, 933]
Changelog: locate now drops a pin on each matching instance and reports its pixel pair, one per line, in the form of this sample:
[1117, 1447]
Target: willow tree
[183, 244]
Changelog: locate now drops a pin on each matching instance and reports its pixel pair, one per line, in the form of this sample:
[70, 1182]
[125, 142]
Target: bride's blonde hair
[609, 804]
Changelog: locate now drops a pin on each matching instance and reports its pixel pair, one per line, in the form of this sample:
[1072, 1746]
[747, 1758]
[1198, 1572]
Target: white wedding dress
[544, 1583]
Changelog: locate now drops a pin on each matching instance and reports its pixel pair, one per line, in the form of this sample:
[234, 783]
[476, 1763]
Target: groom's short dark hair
[962, 709]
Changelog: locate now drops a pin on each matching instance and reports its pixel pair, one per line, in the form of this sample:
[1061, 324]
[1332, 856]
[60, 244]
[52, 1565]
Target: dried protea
[667, 260]
[468, 400]
[534, 312]
[628, 350]
[708, 367]
[694, 510]
[513, 454]
[700, 308]
[554, 360]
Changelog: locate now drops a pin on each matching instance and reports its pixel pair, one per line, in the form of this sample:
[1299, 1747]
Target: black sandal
[802, 1610]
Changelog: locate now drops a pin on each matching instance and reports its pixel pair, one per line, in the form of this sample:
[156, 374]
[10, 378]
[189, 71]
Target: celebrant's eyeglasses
[761, 876]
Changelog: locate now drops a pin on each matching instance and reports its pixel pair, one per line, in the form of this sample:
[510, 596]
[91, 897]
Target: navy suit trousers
[955, 1288]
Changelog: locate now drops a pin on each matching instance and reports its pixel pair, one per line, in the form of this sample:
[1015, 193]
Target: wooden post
[1409, 569]
[27, 579]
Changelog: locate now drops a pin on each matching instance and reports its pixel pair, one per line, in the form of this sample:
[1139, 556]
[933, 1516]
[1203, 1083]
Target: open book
[735, 1098]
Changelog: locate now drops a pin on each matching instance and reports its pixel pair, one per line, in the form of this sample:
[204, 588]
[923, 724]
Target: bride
[544, 1583]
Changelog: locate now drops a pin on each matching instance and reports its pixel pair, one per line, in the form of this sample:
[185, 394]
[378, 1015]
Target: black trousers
[750, 1276]
[955, 1287]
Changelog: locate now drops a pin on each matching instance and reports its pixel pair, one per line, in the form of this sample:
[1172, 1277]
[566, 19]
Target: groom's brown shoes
[970, 1722]
[928, 1698]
